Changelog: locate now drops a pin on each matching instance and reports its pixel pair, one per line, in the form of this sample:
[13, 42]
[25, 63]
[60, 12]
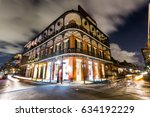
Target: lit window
[66, 44]
[78, 44]
[89, 48]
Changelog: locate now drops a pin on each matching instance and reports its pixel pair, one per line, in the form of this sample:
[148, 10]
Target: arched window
[38, 52]
[72, 17]
[49, 47]
[66, 43]
[77, 34]
[58, 39]
[43, 47]
[78, 45]
[50, 43]
[34, 53]
[94, 43]
[68, 34]
[57, 47]
[100, 48]
[89, 49]
[86, 38]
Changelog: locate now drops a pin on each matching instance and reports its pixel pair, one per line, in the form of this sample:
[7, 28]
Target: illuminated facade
[146, 50]
[71, 48]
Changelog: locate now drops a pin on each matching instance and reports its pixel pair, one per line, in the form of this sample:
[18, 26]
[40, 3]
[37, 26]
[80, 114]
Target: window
[38, 53]
[78, 44]
[66, 44]
[94, 51]
[57, 47]
[50, 50]
[62, 46]
[101, 54]
[46, 51]
[89, 48]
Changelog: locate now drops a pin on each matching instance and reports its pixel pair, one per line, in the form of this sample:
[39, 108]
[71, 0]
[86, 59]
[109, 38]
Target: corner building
[72, 48]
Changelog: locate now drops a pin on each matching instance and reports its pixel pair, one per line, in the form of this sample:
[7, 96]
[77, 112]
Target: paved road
[15, 90]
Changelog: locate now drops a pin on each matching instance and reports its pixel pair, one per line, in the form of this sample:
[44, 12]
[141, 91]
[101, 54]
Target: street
[14, 89]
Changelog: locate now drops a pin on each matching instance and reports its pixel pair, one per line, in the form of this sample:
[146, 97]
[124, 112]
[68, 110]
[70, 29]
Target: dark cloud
[20, 20]
[123, 55]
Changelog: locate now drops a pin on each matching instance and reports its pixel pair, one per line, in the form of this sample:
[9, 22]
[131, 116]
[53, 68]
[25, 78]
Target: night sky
[124, 21]
[132, 36]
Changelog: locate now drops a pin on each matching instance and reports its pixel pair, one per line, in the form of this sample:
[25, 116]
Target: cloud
[121, 55]
[19, 17]
[10, 49]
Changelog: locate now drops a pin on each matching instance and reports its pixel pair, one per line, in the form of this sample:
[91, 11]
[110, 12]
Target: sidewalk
[30, 81]
[89, 85]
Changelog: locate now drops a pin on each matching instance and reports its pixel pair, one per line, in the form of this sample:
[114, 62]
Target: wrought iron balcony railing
[106, 42]
[69, 50]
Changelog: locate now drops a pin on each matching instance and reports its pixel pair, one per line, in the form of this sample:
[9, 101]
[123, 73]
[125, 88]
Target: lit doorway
[66, 70]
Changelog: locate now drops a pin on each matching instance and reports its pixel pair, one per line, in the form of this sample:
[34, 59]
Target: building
[120, 70]
[13, 65]
[146, 50]
[72, 48]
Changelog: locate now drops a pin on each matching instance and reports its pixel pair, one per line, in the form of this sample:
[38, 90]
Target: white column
[27, 72]
[44, 70]
[35, 71]
[48, 70]
[103, 70]
[96, 70]
[39, 71]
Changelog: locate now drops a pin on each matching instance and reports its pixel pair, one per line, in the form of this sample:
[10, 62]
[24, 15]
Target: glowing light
[58, 62]
[12, 79]
[19, 77]
[140, 77]
[128, 75]
[144, 73]
[70, 68]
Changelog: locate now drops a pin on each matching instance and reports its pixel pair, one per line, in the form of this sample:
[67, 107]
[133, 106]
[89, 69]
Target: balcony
[69, 50]
[73, 25]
